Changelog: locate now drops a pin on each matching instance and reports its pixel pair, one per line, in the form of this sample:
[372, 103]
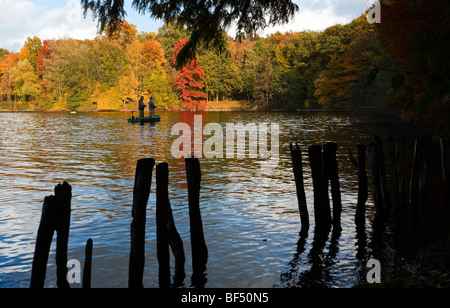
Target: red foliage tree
[190, 81]
[44, 53]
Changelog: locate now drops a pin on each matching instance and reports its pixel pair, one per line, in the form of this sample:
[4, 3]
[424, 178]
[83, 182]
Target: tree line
[399, 66]
[289, 70]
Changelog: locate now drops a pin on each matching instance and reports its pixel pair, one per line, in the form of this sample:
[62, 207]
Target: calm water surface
[250, 217]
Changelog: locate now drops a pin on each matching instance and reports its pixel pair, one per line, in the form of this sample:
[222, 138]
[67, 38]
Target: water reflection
[250, 217]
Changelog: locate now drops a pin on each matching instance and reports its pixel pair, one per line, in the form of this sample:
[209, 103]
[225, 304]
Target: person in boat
[142, 107]
[152, 107]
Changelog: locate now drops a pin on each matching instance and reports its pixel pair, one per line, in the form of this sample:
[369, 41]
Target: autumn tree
[169, 35]
[295, 62]
[355, 56]
[221, 73]
[190, 81]
[123, 33]
[30, 51]
[112, 64]
[3, 53]
[248, 63]
[71, 72]
[7, 84]
[26, 81]
[44, 53]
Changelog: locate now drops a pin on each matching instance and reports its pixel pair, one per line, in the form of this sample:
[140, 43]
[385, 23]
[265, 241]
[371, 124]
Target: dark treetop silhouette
[205, 20]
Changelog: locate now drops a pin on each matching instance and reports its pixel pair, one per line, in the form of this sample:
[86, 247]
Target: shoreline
[206, 110]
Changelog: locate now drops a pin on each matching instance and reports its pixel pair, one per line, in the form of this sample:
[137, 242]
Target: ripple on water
[250, 215]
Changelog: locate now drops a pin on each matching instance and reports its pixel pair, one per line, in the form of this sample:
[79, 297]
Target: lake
[250, 215]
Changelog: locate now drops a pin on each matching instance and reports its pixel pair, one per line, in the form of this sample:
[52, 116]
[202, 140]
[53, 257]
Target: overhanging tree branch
[206, 20]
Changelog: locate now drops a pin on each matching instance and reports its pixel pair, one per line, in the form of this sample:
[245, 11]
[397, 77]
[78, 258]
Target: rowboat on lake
[140, 120]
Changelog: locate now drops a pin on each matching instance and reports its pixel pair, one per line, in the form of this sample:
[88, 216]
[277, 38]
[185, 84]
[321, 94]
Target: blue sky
[53, 19]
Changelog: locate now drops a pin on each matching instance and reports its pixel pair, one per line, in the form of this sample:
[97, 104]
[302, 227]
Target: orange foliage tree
[6, 78]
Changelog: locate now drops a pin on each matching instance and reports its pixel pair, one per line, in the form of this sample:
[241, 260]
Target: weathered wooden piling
[141, 194]
[176, 244]
[332, 172]
[386, 200]
[63, 194]
[55, 217]
[322, 211]
[397, 150]
[87, 265]
[199, 248]
[162, 221]
[297, 162]
[445, 164]
[363, 194]
[372, 155]
[44, 238]
[419, 175]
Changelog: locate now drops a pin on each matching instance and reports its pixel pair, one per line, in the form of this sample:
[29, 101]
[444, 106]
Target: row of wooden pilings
[56, 217]
[324, 172]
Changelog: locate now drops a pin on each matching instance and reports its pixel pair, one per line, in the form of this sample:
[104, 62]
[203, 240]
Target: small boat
[144, 120]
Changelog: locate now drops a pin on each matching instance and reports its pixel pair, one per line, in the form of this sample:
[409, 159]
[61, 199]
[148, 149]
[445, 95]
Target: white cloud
[53, 19]
[21, 19]
[318, 15]
[310, 20]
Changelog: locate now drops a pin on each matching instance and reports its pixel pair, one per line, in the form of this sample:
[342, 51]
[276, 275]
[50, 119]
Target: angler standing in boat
[152, 107]
[141, 107]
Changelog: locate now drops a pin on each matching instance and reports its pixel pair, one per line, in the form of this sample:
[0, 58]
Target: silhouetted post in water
[45, 233]
[382, 171]
[419, 176]
[141, 194]
[445, 161]
[88, 265]
[63, 194]
[372, 155]
[297, 163]
[322, 212]
[162, 220]
[331, 167]
[55, 217]
[176, 243]
[199, 249]
[397, 150]
[363, 194]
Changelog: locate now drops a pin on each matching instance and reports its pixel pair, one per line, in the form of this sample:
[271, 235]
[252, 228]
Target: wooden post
[363, 194]
[141, 194]
[44, 238]
[445, 164]
[162, 221]
[87, 265]
[55, 217]
[176, 243]
[372, 155]
[386, 200]
[332, 171]
[199, 249]
[297, 162]
[419, 176]
[397, 150]
[322, 212]
[63, 195]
